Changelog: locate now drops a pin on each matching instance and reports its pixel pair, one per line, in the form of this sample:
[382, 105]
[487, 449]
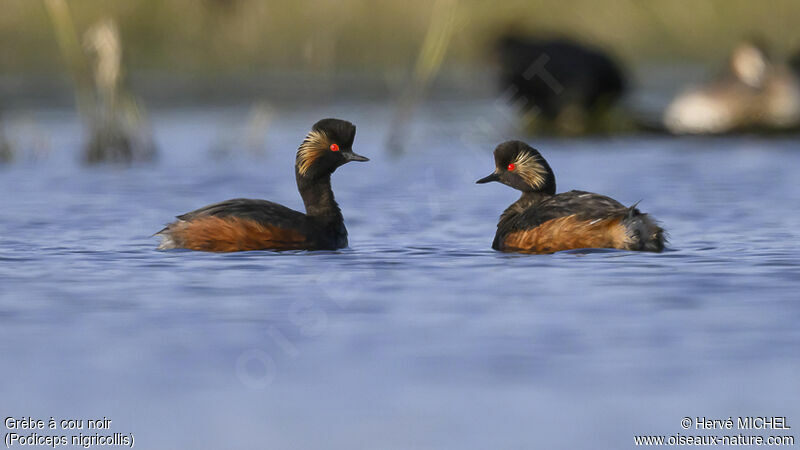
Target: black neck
[526, 200]
[318, 199]
[531, 198]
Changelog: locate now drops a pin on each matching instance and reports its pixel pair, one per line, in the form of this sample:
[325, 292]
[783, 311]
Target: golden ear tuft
[313, 146]
[527, 166]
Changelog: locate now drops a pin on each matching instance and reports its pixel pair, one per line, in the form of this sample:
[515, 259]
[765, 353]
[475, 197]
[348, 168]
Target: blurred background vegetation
[234, 51]
[279, 52]
[224, 36]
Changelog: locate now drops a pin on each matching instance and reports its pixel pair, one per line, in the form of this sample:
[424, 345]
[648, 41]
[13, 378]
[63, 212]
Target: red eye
[334, 148]
[512, 166]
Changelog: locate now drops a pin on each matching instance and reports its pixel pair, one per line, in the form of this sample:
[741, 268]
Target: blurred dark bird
[754, 93]
[542, 221]
[244, 224]
[567, 86]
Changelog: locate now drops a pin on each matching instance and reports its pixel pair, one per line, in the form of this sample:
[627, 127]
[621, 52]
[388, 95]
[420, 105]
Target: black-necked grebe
[542, 221]
[244, 224]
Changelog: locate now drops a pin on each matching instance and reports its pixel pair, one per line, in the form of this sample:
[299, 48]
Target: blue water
[418, 335]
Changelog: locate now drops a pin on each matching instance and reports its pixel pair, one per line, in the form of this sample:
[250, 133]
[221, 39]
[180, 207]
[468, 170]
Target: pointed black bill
[354, 157]
[493, 177]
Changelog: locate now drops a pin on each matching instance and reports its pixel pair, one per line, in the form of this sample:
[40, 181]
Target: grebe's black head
[522, 167]
[327, 146]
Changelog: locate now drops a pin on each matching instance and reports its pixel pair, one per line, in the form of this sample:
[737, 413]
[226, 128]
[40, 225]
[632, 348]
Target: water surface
[418, 335]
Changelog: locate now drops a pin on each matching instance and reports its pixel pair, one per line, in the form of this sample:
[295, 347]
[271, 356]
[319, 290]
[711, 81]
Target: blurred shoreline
[653, 84]
[162, 89]
[182, 53]
[219, 36]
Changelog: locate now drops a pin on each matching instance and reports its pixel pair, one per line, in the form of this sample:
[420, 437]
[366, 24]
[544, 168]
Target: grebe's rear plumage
[542, 221]
[245, 224]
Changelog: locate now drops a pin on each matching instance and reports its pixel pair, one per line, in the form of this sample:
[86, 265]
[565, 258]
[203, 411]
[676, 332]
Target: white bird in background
[754, 93]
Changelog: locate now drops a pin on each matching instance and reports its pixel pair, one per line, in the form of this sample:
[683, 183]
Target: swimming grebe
[543, 222]
[244, 224]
